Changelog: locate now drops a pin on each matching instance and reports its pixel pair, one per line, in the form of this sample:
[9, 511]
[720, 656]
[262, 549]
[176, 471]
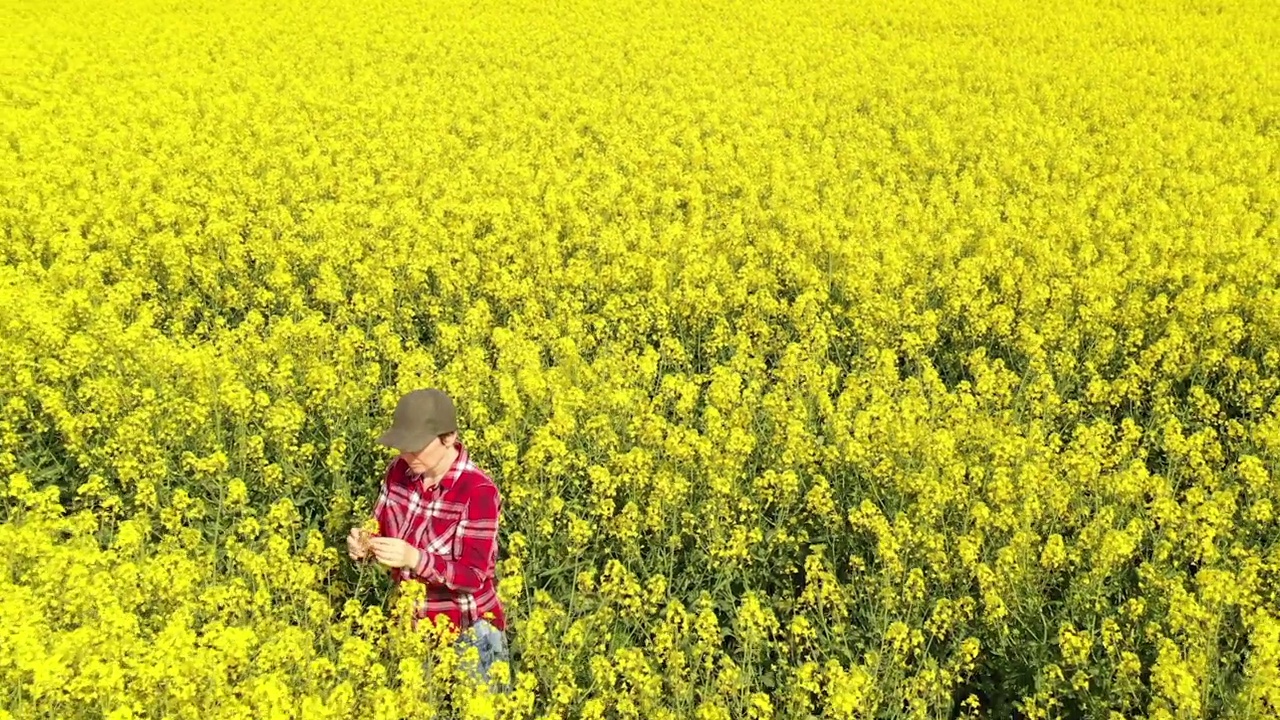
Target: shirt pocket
[444, 532]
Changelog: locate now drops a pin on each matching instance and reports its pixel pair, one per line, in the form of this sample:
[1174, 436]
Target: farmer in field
[437, 516]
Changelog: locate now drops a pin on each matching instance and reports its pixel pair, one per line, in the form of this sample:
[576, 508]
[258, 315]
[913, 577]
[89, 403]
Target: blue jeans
[492, 644]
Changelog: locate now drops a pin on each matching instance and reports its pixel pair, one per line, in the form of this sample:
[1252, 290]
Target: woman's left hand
[394, 552]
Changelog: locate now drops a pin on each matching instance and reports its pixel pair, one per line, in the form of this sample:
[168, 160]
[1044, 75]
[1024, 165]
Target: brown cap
[420, 417]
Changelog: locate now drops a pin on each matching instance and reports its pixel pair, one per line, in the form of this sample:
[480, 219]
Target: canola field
[887, 359]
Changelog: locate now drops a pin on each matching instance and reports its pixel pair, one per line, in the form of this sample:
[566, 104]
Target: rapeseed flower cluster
[911, 360]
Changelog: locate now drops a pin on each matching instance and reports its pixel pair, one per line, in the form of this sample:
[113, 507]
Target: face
[429, 458]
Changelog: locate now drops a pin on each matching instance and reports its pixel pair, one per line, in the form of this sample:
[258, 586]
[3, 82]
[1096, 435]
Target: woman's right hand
[358, 543]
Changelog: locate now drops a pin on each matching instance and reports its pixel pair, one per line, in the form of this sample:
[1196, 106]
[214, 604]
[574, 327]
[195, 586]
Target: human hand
[358, 547]
[394, 552]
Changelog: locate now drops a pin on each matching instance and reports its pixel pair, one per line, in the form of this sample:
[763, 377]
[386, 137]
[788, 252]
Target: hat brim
[404, 441]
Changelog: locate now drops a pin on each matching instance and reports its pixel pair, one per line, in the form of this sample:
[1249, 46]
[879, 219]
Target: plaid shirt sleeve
[478, 531]
[383, 508]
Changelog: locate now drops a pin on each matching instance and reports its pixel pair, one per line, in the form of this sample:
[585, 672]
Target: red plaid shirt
[455, 526]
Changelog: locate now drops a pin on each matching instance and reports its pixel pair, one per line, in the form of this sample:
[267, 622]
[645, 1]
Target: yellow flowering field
[889, 359]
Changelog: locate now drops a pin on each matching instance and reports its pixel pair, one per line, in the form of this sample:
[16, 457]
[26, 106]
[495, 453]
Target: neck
[436, 474]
